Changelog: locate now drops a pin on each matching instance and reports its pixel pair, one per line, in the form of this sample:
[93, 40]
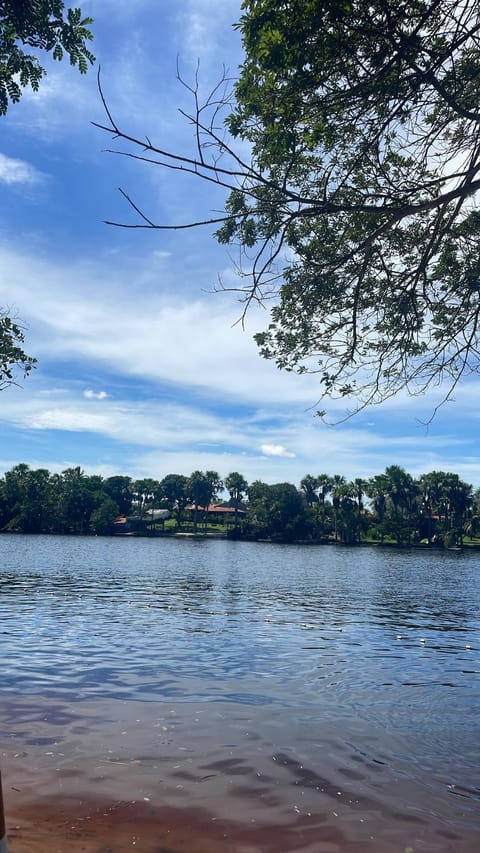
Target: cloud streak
[79, 312]
[95, 395]
[13, 171]
[277, 450]
[153, 437]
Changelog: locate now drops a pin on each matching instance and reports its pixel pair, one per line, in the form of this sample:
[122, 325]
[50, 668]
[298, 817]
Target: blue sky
[141, 370]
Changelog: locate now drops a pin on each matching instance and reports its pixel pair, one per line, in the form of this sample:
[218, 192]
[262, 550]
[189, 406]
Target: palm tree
[430, 486]
[347, 512]
[324, 487]
[309, 487]
[460, 499]
[360, 486]
[216, 485]
[200, 490]
[338, 480]
[147, 492]
[472, 528]
[236, 485]
[203, 488]
[402, 492]
[376, 489]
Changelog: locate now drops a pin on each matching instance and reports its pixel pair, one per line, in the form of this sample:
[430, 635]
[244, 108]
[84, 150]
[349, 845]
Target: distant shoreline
[203, 537]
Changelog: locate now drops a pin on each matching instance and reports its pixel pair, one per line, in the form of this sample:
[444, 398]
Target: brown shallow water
[185, 779]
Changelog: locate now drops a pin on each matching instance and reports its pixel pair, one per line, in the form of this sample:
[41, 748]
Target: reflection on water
[299, 696]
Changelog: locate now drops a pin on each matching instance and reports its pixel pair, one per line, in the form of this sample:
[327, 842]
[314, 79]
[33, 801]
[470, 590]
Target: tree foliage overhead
[13, 359]
[42, 25]
[356, 210]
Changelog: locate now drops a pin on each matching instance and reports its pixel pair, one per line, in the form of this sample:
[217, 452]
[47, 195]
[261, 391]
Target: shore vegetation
[437, 509]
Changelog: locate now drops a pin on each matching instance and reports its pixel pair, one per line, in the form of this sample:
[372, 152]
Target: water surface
[184, 695]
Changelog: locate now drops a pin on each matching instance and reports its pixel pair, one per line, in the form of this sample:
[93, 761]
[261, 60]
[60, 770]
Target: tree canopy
[43, 25]
[13, 359]
[355, 206]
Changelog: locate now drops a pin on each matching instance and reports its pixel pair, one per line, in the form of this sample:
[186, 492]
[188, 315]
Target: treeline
[438, 508]
[36, 501]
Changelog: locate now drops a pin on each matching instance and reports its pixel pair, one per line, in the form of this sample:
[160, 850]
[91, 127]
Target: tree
[348, 516]
[431, 487]
[78, 497]
[13, 359]
[119, 489]
[258, 493]
[287, 513]
[458, 500]
[377, 490]
[355, 211]
[200, 489]
[236, 485]
[446, 502]
[101, 519]
[472, 527]
[175, 493]
[14, 491]
[401, 492]
[324, 487]
[30, 500]
[215, 485]
[278, 511]
[360, 489]
[39, 504]
[42, 25]
[146, 492]
[309, 486]
[338, 482]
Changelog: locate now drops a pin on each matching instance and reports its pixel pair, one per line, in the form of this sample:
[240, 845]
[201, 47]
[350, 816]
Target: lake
[167, 695]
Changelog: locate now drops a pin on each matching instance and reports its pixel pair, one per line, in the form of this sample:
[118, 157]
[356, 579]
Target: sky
[143, 369]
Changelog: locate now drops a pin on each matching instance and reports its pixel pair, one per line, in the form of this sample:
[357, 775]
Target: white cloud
[14, 171]
[68, 418]
[277, 450]
[95, 395]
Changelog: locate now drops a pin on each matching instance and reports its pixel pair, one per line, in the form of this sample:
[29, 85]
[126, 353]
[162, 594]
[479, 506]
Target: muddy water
[167, 696]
